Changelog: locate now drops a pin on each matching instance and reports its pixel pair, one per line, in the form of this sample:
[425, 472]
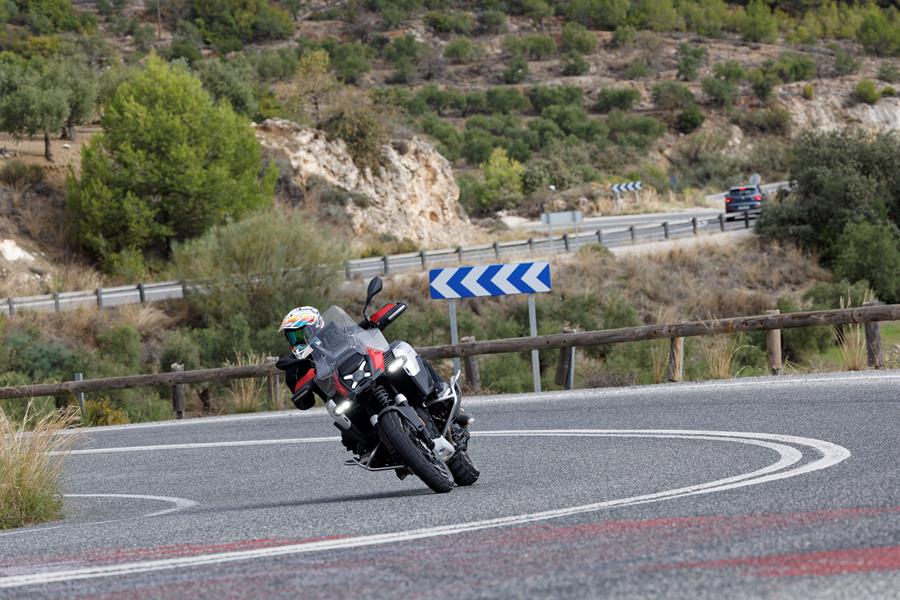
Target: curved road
[784, 487]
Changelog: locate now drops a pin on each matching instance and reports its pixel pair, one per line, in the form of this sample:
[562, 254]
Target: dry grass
[146, 318]
[719, 352]
[246, 395]
[29, 473]
[851, 342]
[659, 349]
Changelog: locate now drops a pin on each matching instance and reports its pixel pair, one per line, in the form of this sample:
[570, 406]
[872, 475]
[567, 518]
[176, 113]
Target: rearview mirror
[375, 286]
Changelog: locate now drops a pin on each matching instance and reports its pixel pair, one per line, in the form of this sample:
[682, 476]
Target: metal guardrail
[397, 263]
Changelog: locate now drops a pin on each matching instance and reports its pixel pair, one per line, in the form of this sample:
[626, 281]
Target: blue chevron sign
[489, 280]
[631, 186]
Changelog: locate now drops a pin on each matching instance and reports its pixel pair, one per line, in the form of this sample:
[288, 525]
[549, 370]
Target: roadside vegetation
[29, 474]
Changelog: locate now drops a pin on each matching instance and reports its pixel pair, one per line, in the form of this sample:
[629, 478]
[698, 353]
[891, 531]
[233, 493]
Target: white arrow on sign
[501, 279]
[440, 283]
[470, 281]
[531, 278]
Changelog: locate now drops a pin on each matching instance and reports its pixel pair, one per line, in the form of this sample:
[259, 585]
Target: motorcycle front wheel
[423, 461]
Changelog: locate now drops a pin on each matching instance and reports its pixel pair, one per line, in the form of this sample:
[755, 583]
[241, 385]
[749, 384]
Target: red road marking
[829, 562]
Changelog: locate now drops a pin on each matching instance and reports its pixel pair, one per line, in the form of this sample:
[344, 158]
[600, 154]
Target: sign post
[631, 186]
[492, 280]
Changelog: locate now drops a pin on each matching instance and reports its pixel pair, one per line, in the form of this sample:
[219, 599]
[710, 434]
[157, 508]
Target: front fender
[409, 414]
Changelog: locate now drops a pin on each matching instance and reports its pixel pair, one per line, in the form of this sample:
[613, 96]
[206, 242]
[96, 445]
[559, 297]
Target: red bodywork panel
[377, 359]
[305, 379]
[384, 310]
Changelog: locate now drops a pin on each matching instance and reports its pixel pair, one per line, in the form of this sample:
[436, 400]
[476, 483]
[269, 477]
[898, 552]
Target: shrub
[729, 70]
[516, 71]
[544, 96]
[449, 140]
[616, 99]
[461, 50]
[534, 46]
[719, 92]
[866, 91]
[450, 22]
[671, 95]
[888, 91]
[169, 165]
[350, 61]
[19, 175]
[575, 65]
[758, 24]
[503, 179]
[844, 63]
[879, 34]
[775, 121]
[121, 344]
[791, 66]
[230, 23]
[506, 100]
[689, 120]
[179, 346]
[362, 128]
[762, 83]
[889, 72]
[705, 17]
[229, 81]
[656, 15]
[572, 120]
[623, 36]
[598, 14]
[808, 91]
[103, 412]
[272, 64]
[871, 252]
[690, 58]
[633, 131]
[491, 21]
[577, 38]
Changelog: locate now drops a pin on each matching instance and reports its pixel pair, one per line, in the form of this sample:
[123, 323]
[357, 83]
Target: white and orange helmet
[300, 326]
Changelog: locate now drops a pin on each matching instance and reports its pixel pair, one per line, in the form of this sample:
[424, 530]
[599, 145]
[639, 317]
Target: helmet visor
[295, 338]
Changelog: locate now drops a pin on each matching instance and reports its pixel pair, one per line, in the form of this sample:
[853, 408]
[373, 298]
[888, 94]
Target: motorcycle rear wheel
[424, 462]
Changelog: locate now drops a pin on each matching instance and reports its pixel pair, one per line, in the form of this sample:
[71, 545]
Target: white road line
[788, 465]
[197, 445]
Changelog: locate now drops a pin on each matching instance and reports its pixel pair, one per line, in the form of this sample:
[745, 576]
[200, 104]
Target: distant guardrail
[397, 263]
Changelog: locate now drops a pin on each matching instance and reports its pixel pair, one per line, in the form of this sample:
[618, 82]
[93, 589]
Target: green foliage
[169, 164]
[689, 120]
[719, 92]
[516, 71]
[351, 61]
[705, 17]
[573, 120]
[867, 92]
[729, 70]
[889, 72]
[44, 16]
[656, 15]
[690, 58]
[450, 22]
[506, 100]
[616, 99]
[121, 344]
[598, 14]
[534, 46]
[838, 294]
[871, 252]
[576, 38]
[186, 43]
[623, 36]
[228, 24]
[38, 359]
[256, 269]
[502, 179]
[758, 24]
[543, 96]
[841, 177]
[701, 160]
[633, 131]
[808, 92]
[774, 121]
[563, 164]
[19, 176]
[461, 50]
[762, 83]
[844, 63]
[450, 140]
[671, 95]
[492, 21]
[272, 65]
[800, 343]
[879, 33]
[574, 65]
[230, 81]
[362, 128]
[791, 66]
[888, 91]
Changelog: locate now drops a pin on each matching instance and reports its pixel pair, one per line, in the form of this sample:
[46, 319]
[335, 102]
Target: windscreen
[339, 336]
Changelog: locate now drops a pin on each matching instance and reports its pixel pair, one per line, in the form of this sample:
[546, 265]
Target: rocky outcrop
[414, 195]
[830, 109]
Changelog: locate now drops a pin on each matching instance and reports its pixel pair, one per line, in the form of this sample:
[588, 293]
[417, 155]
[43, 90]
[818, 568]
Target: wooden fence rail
[767, 322]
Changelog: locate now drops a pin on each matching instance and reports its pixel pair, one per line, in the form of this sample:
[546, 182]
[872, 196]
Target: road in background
[780, 488]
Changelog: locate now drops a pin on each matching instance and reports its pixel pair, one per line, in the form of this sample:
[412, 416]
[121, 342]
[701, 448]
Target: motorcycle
[385, 401]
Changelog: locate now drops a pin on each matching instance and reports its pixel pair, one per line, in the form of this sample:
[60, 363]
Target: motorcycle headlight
[396, 364]
[343, 407]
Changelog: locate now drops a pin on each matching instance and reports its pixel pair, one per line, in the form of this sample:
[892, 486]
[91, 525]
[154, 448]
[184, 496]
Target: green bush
[879, 33]
[866, 91]
[623, 36]
[351, 61]
[506, 100]
[19, 175]
[671, 96]
[888, 91]
[461, 50]
[719, 92]
[577, 38]
[758, 24]
[689, 120]
[121, 344]
[729, 70]
[801, 343]
[533, 46]
[270, 65]
[516, 71]
[705, 17]
[231, 81]
[169, 164]
[362, 128]
[656, 15]
[791, 66]
[889, 72]
[844, 63]
[633, 131]
[616, 99]
[871, 252]
[598, 14]
[228, 24]
[179, 346]
[690, 58]
[450, 141]
[774, 121]
[450, 22]
[808, 92]
[573, 120]
[543, 96]
[762, 83]
[574, 65]
[492, 21]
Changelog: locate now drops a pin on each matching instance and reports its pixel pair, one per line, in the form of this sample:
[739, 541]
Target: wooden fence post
[676, 359]
[694, 224]
[874, 353]
[274, 383]
[470, 364]
[773, 347]
[178, 393]
[565, 366]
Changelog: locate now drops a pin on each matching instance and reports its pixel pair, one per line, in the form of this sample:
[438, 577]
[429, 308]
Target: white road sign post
[492, 280]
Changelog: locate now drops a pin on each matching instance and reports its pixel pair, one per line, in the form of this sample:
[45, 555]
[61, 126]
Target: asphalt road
[780, 488]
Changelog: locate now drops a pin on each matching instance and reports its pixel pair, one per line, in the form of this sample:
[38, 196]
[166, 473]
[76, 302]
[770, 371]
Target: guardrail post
[746, 219]
[56, 301]
[459, 253]
[676, 359]
[531, 246]
[722, 221]
[384, 260]
[178, 393]
[600, 236]
[470, 364]
[100, 297]
[422, 258]
[874, 353]
[497, 250]
[347, 270]
[142, 293]
[773, 347]
[666, 229]
[80, 395]
[631, 231]
[694, 224]
[12, 306]
[273, 379]
[565, 366]
[566, 241]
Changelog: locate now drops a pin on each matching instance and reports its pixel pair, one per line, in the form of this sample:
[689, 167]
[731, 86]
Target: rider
[299, 327]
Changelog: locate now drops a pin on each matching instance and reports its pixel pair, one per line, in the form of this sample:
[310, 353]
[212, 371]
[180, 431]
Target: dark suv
[739, 199]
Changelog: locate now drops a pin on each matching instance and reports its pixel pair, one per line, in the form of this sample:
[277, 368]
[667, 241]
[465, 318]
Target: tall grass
[719, 352]
[29, 473]
[851, 342]
[248, 394]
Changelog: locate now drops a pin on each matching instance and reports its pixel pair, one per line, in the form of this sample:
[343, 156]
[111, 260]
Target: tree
[758, 23]
[576, 38]
[81, 84]
[231, 81]
[598, 14]
[503, 177]
[314, 82]
[871, 252]
[169, 164]
[31, 102]
[689, 60]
